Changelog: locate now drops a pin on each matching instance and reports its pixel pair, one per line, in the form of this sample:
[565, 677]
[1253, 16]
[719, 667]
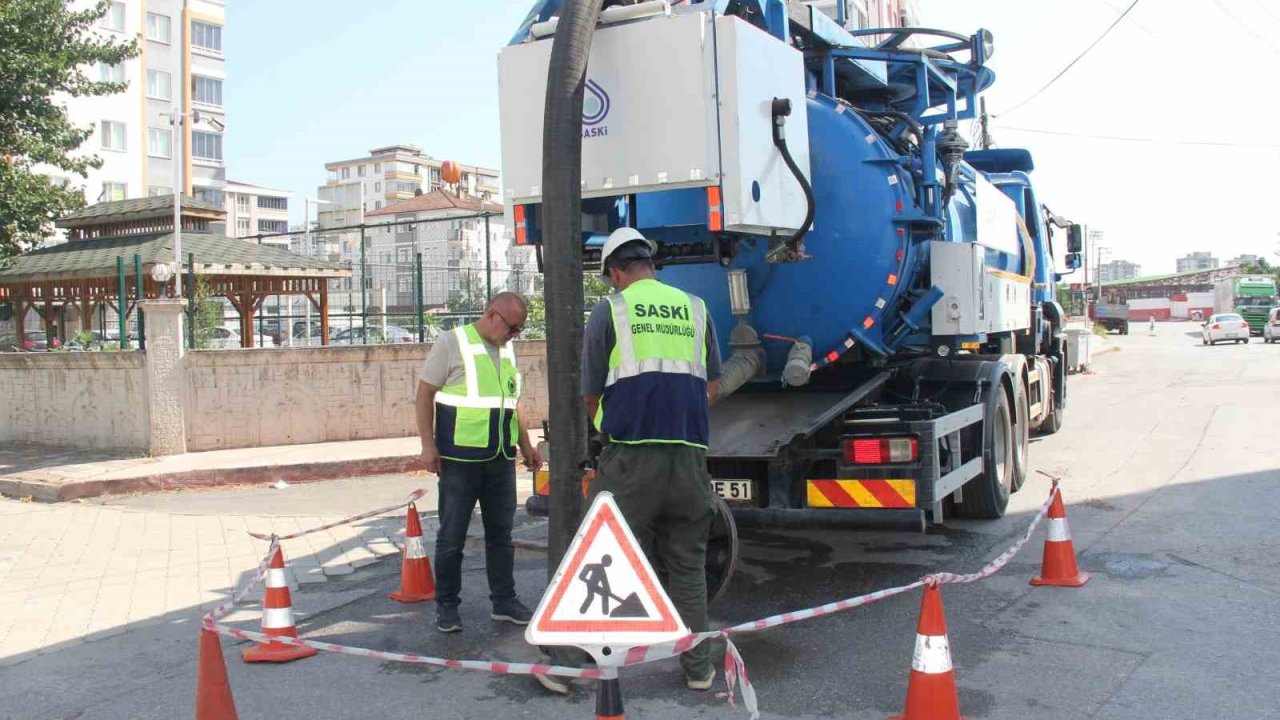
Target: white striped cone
[277, 618]
[416, 581]
[931, 689]
[1059, 565]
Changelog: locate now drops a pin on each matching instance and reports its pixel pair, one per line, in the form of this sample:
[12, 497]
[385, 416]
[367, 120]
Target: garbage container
[1078, 349]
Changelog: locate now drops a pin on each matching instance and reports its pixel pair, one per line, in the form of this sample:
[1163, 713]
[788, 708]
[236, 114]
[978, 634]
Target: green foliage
[594, 289]
[208, 313]
[45, 50]
[471, 293]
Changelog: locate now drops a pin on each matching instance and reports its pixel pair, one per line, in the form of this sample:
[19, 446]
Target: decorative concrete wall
[287, 396]
[96, 400]
[167, 401]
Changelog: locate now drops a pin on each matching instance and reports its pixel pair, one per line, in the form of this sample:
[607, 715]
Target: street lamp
[177, 119]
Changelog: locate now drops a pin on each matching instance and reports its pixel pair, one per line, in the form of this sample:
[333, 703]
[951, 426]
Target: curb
[215, 477]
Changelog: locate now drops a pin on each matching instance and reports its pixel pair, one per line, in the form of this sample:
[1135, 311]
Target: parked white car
[222, 338]
[1222, 327]
[356, 336]
[1271, 330]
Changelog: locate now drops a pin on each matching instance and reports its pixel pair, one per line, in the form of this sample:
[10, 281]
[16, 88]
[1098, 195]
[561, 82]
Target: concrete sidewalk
[55, 474]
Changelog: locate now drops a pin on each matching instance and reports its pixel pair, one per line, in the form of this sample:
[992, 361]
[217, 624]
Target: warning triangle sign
[604, 593]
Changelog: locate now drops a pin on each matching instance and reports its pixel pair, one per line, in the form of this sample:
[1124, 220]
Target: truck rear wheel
[986, 496]
[1022, 437]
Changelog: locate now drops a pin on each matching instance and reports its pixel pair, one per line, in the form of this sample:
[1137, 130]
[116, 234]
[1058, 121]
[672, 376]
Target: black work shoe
[447, 619]
[512, 611]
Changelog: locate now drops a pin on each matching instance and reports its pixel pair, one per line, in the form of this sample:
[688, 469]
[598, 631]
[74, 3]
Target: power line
[1148, 141]
[1245, 27]
[1267, 10]
[1071, 64]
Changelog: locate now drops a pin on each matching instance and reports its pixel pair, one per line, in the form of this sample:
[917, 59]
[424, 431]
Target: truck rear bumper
[834, 518]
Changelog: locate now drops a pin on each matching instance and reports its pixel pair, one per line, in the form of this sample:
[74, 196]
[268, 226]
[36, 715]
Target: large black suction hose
[781, 109]
[562, 240]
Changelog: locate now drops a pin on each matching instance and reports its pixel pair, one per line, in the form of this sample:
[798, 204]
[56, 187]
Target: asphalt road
[1168, 462]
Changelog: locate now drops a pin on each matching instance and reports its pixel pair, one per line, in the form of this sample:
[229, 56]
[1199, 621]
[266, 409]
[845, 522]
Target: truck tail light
[715, 209]
[875, 451]
[522, 231]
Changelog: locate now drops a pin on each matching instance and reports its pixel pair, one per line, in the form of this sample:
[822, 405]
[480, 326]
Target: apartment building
[180, 65]
[253, 210]
[390, 174]
[1197, 261]
[1118, 270]
[452, 242]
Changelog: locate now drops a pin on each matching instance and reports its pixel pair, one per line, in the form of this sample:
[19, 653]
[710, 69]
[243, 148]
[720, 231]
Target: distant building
[1243, 259]
[254, 210]
[1118, 270]
[453, 251]
[1197, 261]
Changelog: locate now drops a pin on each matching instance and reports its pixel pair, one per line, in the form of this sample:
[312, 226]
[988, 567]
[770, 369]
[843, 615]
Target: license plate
[733, 489]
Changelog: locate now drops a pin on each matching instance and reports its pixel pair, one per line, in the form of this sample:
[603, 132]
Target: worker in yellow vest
[466, 408]
[651, 365]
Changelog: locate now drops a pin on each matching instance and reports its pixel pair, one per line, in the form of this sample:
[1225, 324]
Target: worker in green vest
[466, 408]
[651, 366]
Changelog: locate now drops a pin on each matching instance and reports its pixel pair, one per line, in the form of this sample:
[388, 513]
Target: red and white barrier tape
[735, 669]
[412, 497]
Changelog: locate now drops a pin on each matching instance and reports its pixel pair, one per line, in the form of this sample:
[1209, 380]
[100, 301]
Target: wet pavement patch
[1125, 566]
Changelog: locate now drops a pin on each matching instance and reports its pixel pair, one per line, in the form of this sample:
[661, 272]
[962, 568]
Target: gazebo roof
[214, 255]
[134, 209]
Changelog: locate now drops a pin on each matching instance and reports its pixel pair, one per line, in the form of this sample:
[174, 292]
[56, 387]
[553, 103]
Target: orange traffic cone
[213, 691]
[931, 689]
[1059, 565]
[277, 619]
[416, 581]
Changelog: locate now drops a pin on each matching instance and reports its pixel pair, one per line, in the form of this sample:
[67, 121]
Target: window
[206, 36]
[114, 19]
[206, 145]
[242, 204]
[377, 187]
[159, 191]
[377, 168]
[346, 173]
[402, 254]
[158, 28]
[273, 203]
[114, 191]
[206, 90]
[159, 142]
[113, 135]
[159, 85]
[111, 73]
[273, 226]
[242, 227]
[402, 284]
[377, 204]
[360, 171]
[210, 196]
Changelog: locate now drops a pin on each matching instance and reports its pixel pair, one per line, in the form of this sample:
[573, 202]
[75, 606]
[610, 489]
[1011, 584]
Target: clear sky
[310, 82]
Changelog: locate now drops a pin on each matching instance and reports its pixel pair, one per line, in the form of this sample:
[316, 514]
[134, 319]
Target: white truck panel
[657, 117]
[976, 299]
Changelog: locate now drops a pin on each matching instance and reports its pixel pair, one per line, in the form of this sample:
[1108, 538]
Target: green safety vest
[476, 419]
[656, 389]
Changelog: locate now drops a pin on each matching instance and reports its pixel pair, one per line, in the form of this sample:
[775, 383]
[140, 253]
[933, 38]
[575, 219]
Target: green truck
[1250, 296]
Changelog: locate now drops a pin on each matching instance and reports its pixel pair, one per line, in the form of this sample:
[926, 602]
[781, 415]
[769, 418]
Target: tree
[594, 289]
[45, 49]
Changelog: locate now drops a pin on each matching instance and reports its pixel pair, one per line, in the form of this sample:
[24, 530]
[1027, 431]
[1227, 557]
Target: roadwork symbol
[604, 592]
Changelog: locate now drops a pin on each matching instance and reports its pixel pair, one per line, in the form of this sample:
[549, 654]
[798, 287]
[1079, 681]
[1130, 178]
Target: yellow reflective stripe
[860, 494]
[816, 498]
[468, 362]
[906, 489]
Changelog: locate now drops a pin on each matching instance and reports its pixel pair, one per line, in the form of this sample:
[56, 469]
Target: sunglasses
[513, 329]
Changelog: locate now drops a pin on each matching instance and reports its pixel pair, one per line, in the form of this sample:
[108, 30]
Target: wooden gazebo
[85, 273]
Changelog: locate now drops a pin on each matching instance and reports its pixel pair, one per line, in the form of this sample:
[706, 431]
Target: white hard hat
[624, 236]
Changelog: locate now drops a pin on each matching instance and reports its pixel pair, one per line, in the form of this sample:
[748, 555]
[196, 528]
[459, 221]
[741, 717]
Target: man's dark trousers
[462, 484]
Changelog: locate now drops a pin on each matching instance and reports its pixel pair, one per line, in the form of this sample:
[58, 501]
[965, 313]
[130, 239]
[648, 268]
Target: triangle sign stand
[605, 598]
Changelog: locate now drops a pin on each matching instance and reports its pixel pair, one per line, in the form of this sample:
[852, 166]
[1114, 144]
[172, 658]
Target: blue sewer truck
[882, 293]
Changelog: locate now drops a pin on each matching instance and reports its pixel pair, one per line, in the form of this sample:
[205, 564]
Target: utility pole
[984, 139]
[488, 262]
